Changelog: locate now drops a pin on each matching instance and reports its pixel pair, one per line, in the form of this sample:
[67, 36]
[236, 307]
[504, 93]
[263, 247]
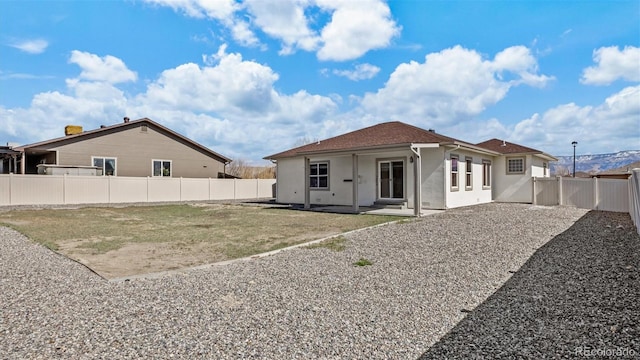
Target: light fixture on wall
[411, 159]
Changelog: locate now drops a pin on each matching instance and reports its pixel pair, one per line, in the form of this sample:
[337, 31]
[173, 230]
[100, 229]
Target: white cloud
[613, 64]
[232, 85]
[108, 68]
[361, 72]
[284, 20]
[218, 9]
[519, 61]
[452, 85]
[356, 27]
[24, 76]
[611, 126]
[35, 46]
[230, 105]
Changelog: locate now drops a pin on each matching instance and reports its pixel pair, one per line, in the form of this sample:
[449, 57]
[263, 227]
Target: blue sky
[252, 78]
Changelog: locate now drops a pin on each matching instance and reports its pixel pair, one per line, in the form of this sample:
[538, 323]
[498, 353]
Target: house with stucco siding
[398, 164]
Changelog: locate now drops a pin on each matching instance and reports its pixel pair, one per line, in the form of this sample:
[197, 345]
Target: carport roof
[376, 136]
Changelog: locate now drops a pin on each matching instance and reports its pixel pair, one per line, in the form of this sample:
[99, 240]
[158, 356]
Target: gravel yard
[314, 303]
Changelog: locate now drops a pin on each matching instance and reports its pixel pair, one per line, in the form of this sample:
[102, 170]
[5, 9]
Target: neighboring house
[136, 148]
[623, 172]
[397, 163]
[8, 159]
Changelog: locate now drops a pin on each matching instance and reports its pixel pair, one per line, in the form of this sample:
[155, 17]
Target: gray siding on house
[135, 149]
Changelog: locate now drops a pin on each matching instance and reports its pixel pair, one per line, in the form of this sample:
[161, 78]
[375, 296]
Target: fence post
[64, 188]
[596, 194]
[10, 188]
[560, 202]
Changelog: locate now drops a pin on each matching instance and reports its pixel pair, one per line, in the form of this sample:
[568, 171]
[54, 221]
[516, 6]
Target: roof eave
[127, 124]
[345, 151]
[472, 148]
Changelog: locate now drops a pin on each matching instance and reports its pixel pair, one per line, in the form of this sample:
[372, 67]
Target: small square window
[319, 176]
[161, 168]
[515, 165]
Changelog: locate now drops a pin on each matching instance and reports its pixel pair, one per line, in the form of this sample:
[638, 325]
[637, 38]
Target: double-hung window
[454, 172]
[515, 165]
[468, 180]
[486, 174]
[161, 168]
[106, 164]
[319, 176]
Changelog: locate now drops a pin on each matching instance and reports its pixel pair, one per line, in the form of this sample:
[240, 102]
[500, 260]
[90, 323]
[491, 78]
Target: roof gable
[380, 135]
[120, 127]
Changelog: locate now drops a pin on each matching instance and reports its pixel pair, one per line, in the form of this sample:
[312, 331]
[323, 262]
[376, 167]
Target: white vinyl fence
[592, 193]
[63, 189]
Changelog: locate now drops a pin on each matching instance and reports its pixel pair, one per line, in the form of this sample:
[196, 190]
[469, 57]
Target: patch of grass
[102, 246]
[363, 262]
[202, 232]
[337, 243]
[51, 246]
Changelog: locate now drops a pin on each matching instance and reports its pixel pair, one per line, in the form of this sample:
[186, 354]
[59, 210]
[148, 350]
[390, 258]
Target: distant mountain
[595, 163]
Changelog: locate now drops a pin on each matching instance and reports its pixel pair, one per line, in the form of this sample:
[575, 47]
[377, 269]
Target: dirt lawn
[117, 242]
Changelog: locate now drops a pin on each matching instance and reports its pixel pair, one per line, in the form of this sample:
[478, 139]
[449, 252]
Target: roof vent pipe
[504, 143]
[126, 119]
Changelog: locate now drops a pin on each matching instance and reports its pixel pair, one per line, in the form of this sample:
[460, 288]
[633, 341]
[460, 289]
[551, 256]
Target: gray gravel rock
[578, 296]
[302, 303]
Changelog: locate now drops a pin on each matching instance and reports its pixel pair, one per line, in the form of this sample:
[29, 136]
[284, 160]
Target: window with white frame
[319, 176]
[515, 165]
[454, 172]
[486, 174]
[161, 168]
[106, 164]
[468, 179]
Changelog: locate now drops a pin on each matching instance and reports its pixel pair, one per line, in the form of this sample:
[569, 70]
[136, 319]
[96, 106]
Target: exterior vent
[72, 130]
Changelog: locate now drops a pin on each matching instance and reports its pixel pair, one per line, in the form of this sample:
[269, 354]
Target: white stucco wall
[289, 186]
[512, 187]
[290, 179]
[433, 178]
[464, 196]
[537, 167]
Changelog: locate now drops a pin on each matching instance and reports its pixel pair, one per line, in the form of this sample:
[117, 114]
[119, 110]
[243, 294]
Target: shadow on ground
[578, 296]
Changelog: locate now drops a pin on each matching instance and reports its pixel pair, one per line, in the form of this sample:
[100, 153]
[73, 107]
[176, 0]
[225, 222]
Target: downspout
[224, 169]
[417, 182]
